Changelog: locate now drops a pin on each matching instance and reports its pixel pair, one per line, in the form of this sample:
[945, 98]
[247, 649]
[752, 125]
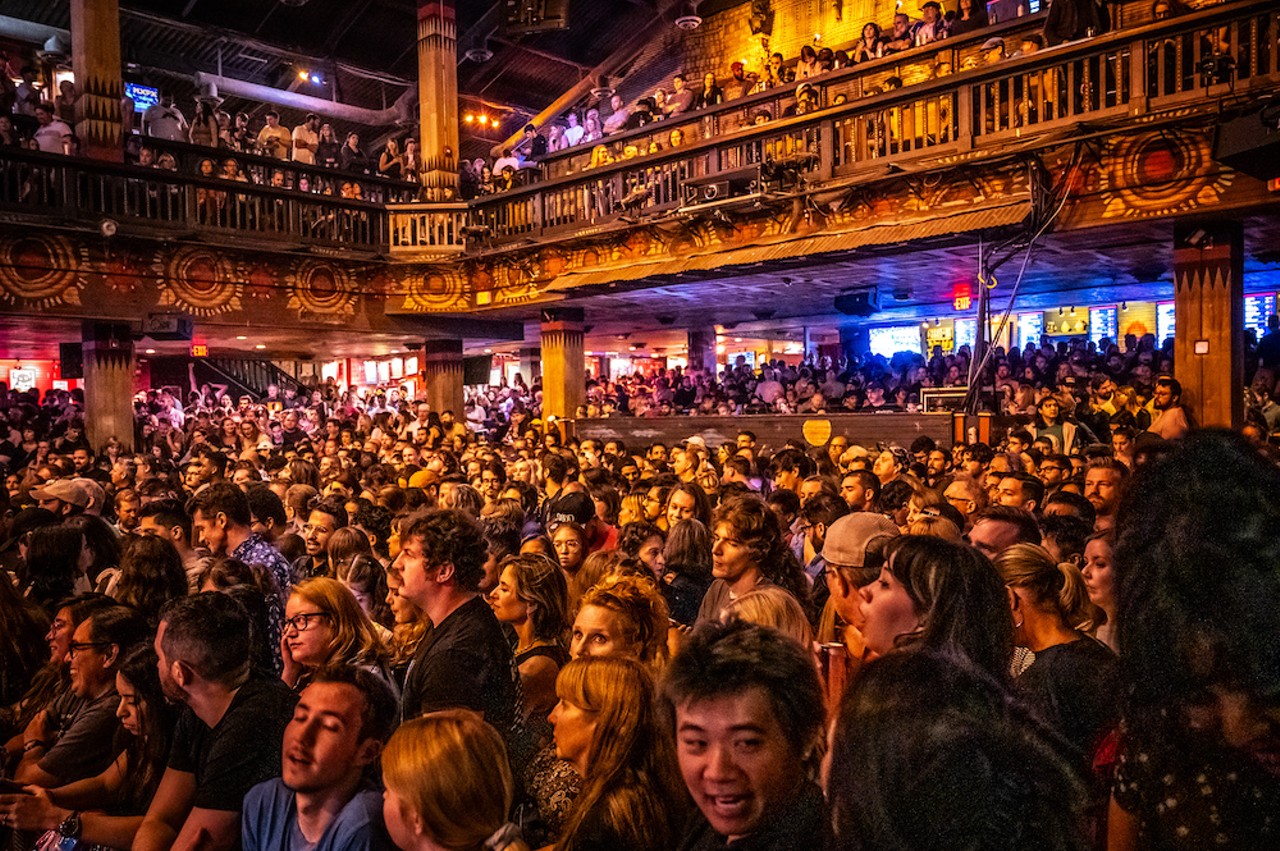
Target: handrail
[82, 190]
[1094, 79]
[556, 164]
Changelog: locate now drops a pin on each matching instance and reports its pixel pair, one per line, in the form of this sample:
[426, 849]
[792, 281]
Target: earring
[1019, 623]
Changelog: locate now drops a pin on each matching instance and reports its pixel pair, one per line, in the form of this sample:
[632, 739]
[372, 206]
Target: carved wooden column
[442, 373]
[438, 98]
[1208, 269]
[95, 57]
[108, 383]
[563, 367]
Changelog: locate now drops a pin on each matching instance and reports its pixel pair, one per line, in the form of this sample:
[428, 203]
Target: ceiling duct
[400, 113]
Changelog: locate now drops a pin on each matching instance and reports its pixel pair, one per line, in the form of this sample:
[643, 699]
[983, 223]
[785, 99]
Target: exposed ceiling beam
[487, 24]
[542, 54]
[353, 16]
[625, 52]
[286, 54]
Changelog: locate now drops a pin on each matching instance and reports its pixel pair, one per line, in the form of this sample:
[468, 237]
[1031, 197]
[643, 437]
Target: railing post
[1138, 77]
[964, 117]
[826, 149]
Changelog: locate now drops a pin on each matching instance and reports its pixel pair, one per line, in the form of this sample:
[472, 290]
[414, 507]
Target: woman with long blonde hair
[324, 625]
[605, 726]
[449, 785]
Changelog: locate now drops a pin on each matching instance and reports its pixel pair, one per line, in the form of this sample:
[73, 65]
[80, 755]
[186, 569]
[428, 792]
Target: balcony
[858, 132]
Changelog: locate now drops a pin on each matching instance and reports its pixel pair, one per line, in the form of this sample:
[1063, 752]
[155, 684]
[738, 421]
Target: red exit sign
[199, 350]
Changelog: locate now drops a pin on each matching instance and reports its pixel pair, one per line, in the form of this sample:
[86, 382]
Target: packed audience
[387, 629]
[592, 127]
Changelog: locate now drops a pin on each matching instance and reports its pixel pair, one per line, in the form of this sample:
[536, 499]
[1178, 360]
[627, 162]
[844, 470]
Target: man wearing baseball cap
[63, 497]
[578, 507]
[854, 552]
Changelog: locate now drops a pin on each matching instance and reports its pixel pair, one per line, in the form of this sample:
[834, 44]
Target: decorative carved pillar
[108, 383]
[438, 98]
[442, 373]
[563, 368]
[1208, 272]
[95, 57]
[702, 349]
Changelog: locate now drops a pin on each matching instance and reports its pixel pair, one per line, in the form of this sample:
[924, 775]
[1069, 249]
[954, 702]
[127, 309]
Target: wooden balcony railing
[860, 125]
[1121, 74]
[427, 231]
[153, 200]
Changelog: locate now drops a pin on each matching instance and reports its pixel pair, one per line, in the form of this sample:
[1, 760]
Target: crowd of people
[1068, 20]
[389, 629]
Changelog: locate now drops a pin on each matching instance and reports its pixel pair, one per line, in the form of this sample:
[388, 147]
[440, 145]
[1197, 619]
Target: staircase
[246, 376]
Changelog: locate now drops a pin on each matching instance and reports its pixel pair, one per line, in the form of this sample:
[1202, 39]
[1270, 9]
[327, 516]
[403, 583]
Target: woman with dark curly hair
[1198, 587]
[151, 574]
[747, 551]
[972, 769]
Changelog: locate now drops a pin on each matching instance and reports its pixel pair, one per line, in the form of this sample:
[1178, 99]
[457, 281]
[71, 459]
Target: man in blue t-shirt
[322, 800]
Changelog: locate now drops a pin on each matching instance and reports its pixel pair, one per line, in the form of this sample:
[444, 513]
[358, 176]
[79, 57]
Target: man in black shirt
[465, 660]
[732, 683]
[228, 737]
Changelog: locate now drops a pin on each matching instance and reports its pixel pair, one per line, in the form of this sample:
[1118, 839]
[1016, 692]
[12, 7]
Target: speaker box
[706, 190]
[477, 370]
[858, 302]
[1246, 144]
[71, 358]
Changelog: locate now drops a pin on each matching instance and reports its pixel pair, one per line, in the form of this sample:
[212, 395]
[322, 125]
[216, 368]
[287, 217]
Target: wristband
[32, 745]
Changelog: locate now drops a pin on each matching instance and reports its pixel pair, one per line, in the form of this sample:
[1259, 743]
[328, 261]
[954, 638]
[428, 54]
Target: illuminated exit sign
[961, 297]
[199, 350]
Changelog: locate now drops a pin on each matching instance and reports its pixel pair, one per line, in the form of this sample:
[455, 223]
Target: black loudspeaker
[477, 370]
[1249, 145]
[71, 358]
[534, 16]
[858, 303]
[720, 187]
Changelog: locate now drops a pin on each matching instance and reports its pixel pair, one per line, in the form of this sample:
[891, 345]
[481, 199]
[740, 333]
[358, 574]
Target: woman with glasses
[324, 625]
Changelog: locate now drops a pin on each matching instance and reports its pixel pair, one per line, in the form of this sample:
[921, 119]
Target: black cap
[26, 520]
[571, 508]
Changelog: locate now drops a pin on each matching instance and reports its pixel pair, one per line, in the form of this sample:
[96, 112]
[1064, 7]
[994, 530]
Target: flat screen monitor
[896, 338]
[1164, 322]
[142, 96]
[1256, 310]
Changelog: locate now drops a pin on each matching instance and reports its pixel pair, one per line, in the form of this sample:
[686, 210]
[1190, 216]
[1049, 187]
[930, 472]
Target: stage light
[316, 79]
[304, 75]
[468, 118]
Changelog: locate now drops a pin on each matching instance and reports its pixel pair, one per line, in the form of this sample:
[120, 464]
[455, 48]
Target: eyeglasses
[76, 646]
[301, 622]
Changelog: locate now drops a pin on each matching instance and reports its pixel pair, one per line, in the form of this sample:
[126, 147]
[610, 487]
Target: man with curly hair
[465, 660]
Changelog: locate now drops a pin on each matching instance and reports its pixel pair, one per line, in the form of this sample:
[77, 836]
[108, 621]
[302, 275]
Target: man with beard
[229, 734]
[1171, 421]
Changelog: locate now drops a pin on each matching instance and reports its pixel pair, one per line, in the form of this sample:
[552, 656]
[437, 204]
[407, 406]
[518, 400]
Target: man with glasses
[84, 744]
[229, 734]
[326, 517]
[1054, 471]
